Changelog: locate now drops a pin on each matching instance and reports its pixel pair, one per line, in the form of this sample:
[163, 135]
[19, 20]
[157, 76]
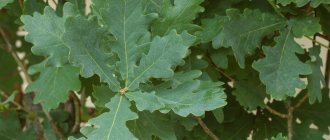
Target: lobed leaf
[53, 85]
[244, 32]
[112, 125]
[46, 31]
[281, 68]
[83, 37]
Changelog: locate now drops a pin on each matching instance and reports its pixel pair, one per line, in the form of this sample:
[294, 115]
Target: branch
[289, 119]
[54, 126]
[301, 101]
[10, 49]
[19, 106]
[206, 129]
[76, 103]
[273, 111]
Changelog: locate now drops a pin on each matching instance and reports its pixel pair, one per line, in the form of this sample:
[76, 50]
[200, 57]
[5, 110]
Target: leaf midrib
[114, 118]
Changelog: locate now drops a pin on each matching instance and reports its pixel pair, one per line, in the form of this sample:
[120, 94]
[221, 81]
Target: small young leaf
[316, 79]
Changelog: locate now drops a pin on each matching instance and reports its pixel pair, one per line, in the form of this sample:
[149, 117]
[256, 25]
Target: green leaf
[244, 32]
[83, 36]
[145, 101]
[218, 114]
[46, 32]
[178, 16]
[10, 128]
[31, 6]
[154, 124]
[237, 124]
[112, 125]
[11, 98]
[324, 14]
[9, 74]
[3, 3]
[305, 26]
[220, 57]
[266, 126]
[211, 28]
[280, 69]
[102, 95]
[304, 132]
[54, 84]
[279, 137]
[128, 23]
[165, 52]
[317, 113]
[301, 3]
[316, 79]
[250, 92]
[193, 97]
[182, 77]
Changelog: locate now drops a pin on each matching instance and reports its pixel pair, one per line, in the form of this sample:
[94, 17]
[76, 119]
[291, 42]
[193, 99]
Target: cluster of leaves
[163, 69]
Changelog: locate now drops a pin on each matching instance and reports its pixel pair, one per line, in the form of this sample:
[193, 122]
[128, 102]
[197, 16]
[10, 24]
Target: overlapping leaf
[244, 32]
[178, 16]
[165, 52]
[112, 125]
[45, 31]
[211, 28]
[317, 113]
[248, 97]
[148, 126]
[128, 23]
[53, 85]
[83, 37]
[3, 3]
[192, 97]
[301, 3]
[10, 128]
[316, 79]
[280, 69]
[305, 26]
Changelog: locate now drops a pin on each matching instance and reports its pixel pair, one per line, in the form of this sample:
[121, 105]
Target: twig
[300, 102]
[19, 106]
[15, 56]
[28, 78]
[323, 36]
[76, 103]
[219, 69]
[206, 129]
[327, 69]
[54, 127]
[273, 111]
[275, 8]
[37, 124]
[315, 41]
[289, 119]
